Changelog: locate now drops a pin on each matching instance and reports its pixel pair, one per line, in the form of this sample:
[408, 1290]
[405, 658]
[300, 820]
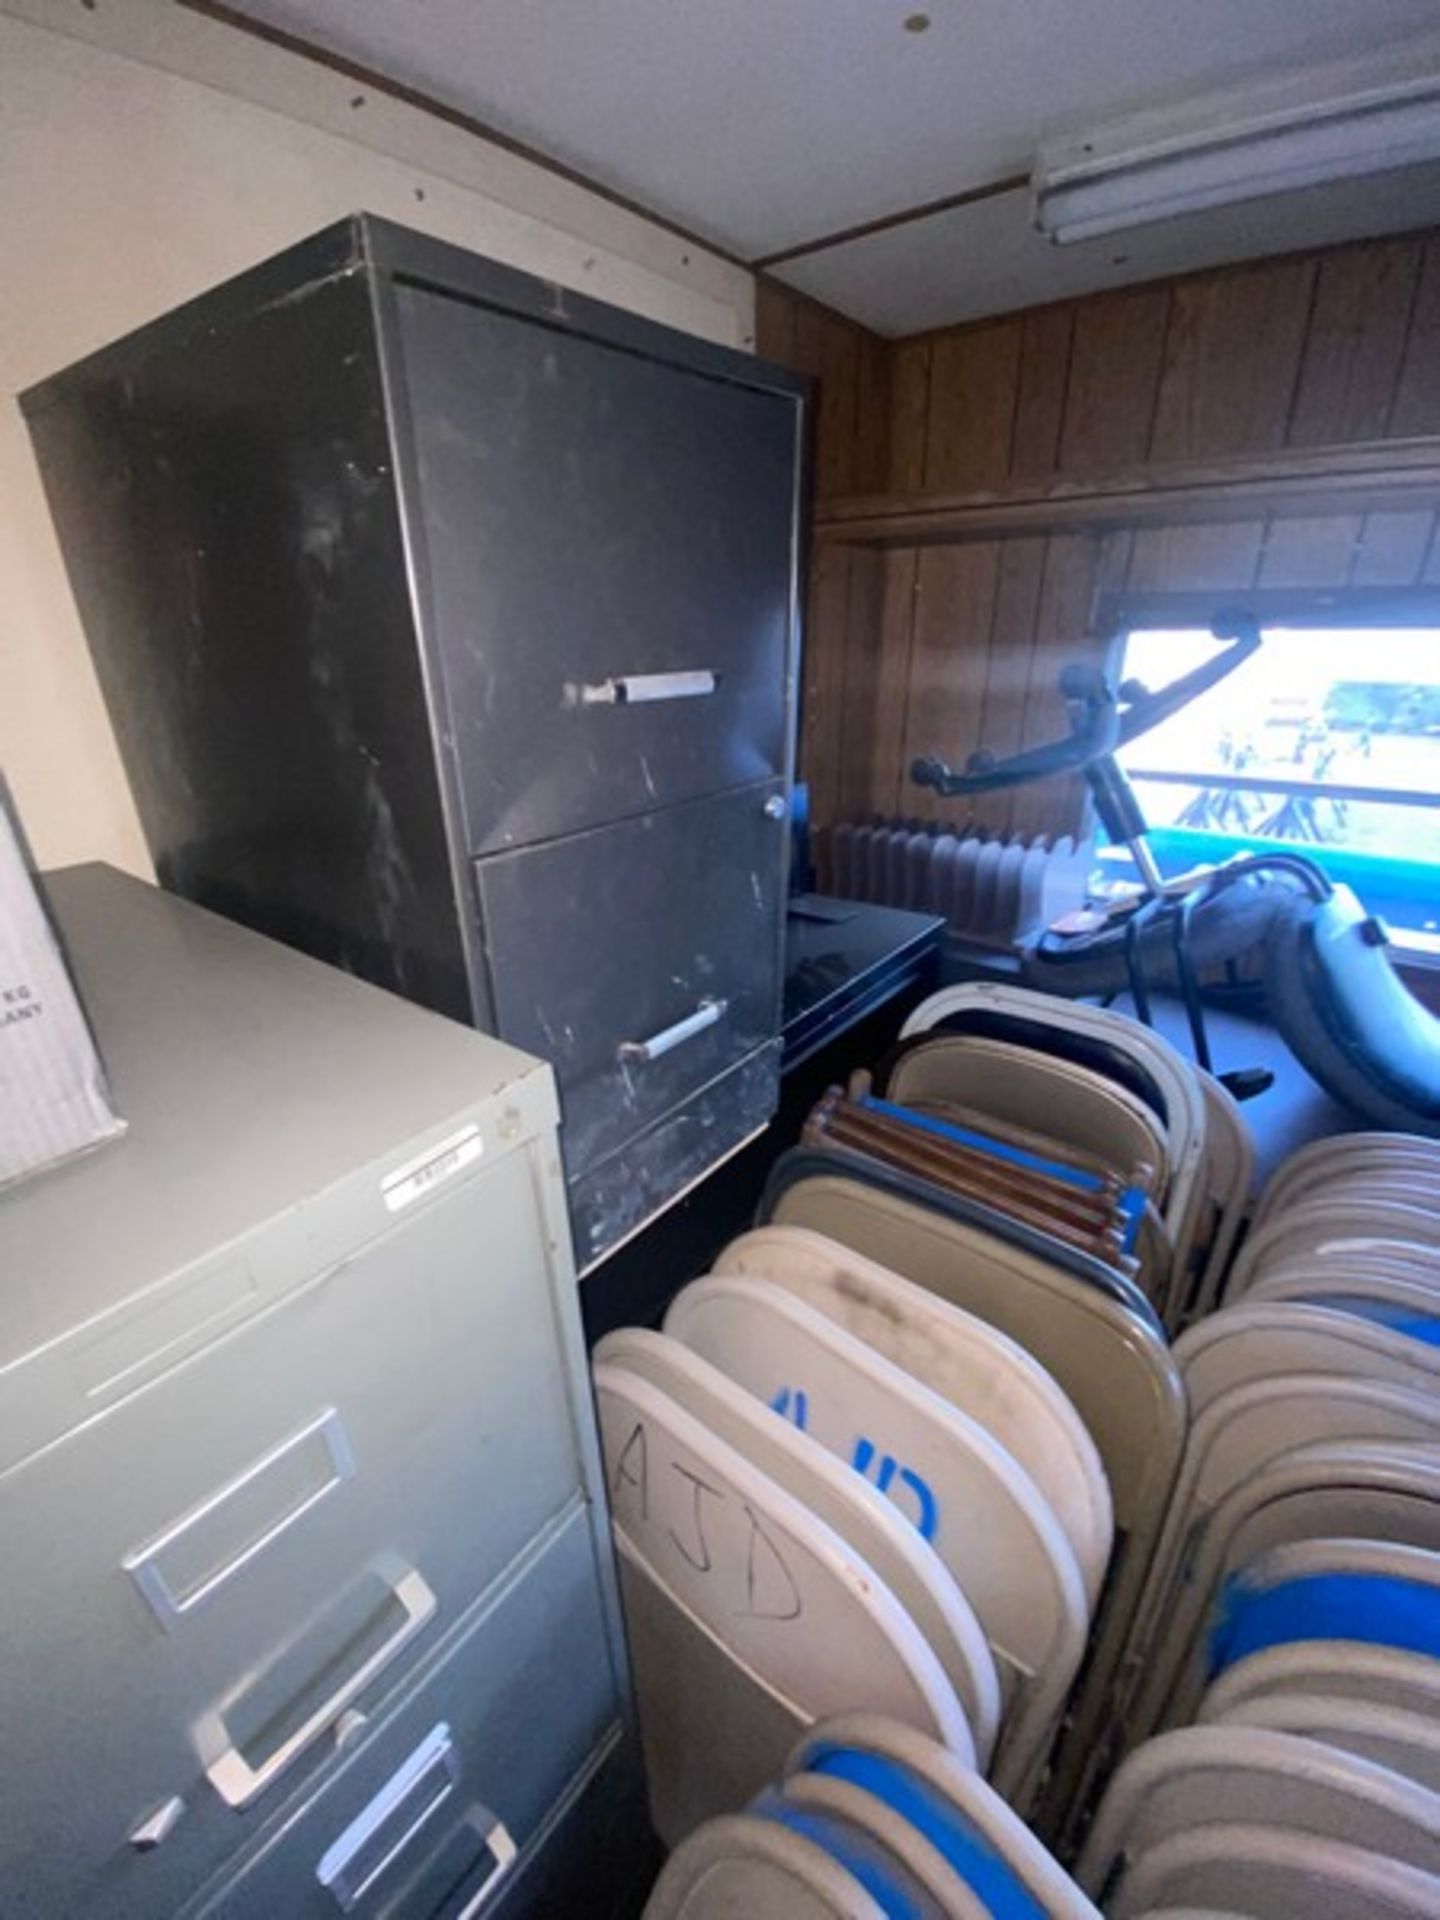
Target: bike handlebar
[1098, 724]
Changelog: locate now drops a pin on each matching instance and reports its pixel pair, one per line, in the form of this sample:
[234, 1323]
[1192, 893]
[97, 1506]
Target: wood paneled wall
[944, 647]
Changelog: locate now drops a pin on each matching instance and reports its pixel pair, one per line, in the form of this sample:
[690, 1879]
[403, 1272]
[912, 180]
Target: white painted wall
[146, 153]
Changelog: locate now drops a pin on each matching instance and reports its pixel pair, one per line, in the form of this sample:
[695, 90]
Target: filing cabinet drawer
[621, 1192]
[207, 1576]
[608, 552]
[429, 1813]
[642, 959]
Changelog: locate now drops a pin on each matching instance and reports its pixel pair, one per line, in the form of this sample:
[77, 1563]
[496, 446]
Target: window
[1326, 742]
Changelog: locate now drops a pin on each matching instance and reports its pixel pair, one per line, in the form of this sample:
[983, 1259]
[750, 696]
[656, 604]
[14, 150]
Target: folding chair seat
[981, 1837]
[1254, 1342]
[1406, 1743]
[1330, 1491]
[1212, 1776]
[962, 1358]
[969, 1497]
[1300, 1230]
[1125, 1051]
[1244, 1429]
[739, 1865]
[846, 1502]
[749, 1618]
[1272, 1875]
[1382, 1677]
[1110, 1361]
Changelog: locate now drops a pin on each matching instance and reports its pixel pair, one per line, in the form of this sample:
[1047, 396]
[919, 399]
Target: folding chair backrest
[1380, 1592]
[1360, 1489]
[1407, 1743]
[1037, 1091]
[843, 1500]
[1252, 1424]
[1347, 1156]
[1380, 1291]
[743, 1865]
[1212, 1776]
[1384, 1677]
[964, 1359]
[980, 1510]
[922, 1883]
[1299, 1230]
[1102, 1039]
[1111, 1364]
[1282, 1876]
[1243, 1430]
[801, 1163]
[1257, 1341]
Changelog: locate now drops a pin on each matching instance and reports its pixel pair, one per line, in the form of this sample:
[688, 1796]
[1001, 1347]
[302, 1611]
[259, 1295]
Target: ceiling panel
[763, 126]
[986, 258]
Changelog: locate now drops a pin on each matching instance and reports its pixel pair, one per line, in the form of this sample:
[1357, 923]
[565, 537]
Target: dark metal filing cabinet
[448, 624]
[308, 1603]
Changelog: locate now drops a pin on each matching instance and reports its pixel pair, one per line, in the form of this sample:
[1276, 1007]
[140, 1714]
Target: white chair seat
[719, 1547]
[981, 1511]
[844, 1501]
[965, 1360]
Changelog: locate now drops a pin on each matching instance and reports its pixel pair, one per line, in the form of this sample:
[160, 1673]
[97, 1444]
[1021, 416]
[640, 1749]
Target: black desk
[853, 971]
[843, 959]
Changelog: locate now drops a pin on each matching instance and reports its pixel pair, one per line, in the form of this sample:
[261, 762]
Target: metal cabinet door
[608, 541]
[642, 959]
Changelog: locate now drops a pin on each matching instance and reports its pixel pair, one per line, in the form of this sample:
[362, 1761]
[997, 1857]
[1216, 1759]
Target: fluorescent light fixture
[1301, 131]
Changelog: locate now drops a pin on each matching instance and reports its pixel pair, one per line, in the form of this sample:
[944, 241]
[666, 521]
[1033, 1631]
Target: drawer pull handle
[503, 1851]
[383, 1833]
[233, 1777]
[290, 1474]
[631, 689]
[705, 1015]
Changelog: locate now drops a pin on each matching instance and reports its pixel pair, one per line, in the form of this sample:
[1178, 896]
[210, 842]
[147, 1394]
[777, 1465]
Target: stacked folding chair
[869, 1821]
[1285, 1657]
[920, 1448]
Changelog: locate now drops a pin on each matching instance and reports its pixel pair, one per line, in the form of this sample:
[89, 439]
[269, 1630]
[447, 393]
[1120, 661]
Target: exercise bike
[1319, 960]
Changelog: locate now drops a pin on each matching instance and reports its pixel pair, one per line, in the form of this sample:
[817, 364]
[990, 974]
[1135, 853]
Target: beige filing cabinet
[308, 1605]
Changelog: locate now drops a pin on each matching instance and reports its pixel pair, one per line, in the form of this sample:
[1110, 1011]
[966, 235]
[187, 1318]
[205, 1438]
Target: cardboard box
[54, 1100]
